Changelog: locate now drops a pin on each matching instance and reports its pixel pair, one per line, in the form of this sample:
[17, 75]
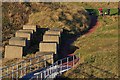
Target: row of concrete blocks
[51, 43]
[18, 44]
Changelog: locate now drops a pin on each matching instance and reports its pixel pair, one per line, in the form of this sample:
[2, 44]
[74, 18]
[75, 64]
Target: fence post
[47, 71]
[61, 66]
[41, 76]
[7, 72]
[73, 60]
[37, 77]
[21, 70]
[44, 74]
[25, 67]
[67, 62]
[17, 72]
[52, 59]
[57, 66]
[12, 72]
[45, 60]
[30, 65]
[38, 62]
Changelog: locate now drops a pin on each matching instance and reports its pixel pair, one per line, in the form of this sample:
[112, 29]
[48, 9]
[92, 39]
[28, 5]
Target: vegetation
[98, 50]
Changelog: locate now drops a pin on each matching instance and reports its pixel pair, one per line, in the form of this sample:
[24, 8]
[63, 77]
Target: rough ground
[99, 51]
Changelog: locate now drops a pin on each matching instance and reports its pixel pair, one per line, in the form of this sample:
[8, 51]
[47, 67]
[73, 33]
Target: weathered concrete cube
[48, 56]
[48, 47]
[52, 32]
[12, 51]
[51, 38]
[20, 41]
[24, 34]
[34, 27]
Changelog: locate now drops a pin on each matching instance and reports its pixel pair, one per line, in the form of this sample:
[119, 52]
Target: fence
[55, 69]
[18, 70]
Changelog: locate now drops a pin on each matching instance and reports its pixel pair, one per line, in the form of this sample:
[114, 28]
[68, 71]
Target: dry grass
[94, 5]
[99, 51]
[70, 17]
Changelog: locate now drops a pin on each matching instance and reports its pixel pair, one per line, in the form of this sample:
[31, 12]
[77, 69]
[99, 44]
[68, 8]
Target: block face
[34, 27]
[50, 32]
[18, 41]
[48, 47]
[13, 51]
[23, 34]
[51, 38]
[47, 55]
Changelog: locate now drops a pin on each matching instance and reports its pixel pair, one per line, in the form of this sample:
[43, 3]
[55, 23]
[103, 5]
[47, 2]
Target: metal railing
[18, 70]
[55, 69]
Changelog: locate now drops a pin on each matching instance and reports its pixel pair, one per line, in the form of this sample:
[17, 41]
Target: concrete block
[12, 51]
[51, 32]
[34, 27]
[23, 34]
[48, 56]
[19, 41]
[51, 38]
[48, 47]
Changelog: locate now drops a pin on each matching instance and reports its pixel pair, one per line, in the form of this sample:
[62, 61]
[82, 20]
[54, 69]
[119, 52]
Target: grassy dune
[98, 51]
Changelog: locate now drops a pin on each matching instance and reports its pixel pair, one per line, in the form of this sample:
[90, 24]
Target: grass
[99, 51]
[94, 5]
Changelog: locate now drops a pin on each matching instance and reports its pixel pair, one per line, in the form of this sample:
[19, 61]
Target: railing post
[52, 59]
[41, 76]
[44, 74]
[61, 66]
[47, 71]
[57, 65]
[45, 60]
[21, 70]
[17, 72]
[38, 62]
[12, 72]
[30, 65]
[37, 77]
[7, 72]
[25, 67]
[67, 62]
[50, 70]
[73, 60]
